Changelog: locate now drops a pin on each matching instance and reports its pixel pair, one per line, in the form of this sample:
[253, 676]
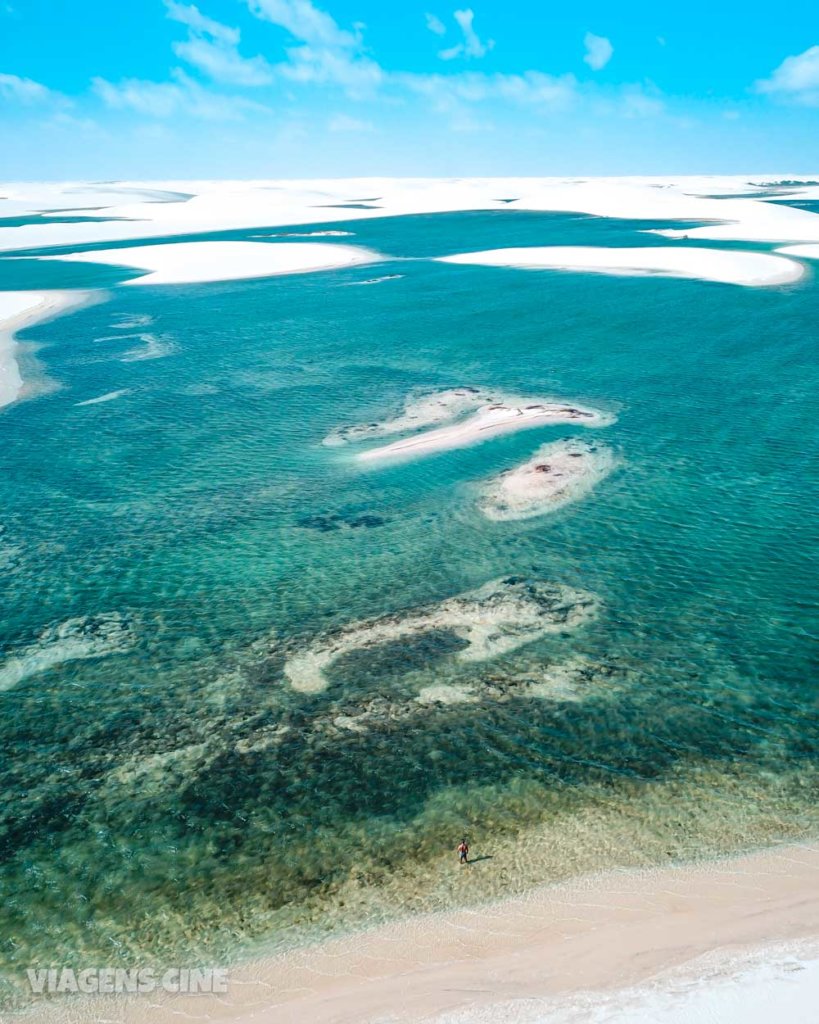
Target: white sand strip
[724, 266]
[420, 411]
[23, 309]
[107, 397]
[556, 475]
[490, 421]
[495, 619]
[805, 252]
[191, 262]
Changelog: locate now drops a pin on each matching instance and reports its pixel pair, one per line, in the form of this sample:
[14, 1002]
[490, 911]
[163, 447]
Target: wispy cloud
[796, 79]
[434, 24]
[598, 51]
[472, 45]
[304, 21]
[214, 49]
[345, 123]
[327, 54]
[530, 88]
[25, 90]
[182, 95]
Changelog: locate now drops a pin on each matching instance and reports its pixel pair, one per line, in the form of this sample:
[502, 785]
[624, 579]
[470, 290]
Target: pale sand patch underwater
[495, 619]
[751, 269]
[556, 475]
[192, 262]
[80, 638]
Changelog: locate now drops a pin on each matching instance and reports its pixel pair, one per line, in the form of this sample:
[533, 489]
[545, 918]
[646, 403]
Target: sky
[95, 89]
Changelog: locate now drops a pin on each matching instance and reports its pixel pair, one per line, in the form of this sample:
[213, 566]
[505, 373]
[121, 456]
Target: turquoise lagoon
[175, 797]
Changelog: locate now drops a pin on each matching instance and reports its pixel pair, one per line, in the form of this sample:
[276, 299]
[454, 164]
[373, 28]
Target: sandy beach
[23, 309]
[598, 940]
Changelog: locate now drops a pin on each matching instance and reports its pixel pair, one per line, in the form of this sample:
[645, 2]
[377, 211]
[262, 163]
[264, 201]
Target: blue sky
[287, 88]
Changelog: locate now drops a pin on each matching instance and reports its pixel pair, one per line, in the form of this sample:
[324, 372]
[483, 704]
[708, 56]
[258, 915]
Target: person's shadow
[476, 860]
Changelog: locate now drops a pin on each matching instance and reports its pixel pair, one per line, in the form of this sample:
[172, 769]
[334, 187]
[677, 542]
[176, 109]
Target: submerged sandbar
[556, 475]
[495, 619]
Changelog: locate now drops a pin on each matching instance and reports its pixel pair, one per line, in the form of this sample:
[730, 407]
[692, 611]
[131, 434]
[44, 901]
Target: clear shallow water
[176, 797]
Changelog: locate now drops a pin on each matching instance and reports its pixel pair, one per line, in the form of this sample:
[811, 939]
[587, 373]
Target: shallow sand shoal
[490, 421]
[23, 309]
[557, 474]
[193, 262]
[721, 265]
[422, 411]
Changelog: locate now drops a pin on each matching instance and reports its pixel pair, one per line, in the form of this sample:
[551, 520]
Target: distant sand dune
[721, 265]
[192, 262]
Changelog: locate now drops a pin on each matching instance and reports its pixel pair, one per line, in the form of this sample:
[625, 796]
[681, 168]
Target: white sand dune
[556, 475]
[23, 309]
[501, 417]
[805, 252]
[724, 266]
[159, 209]
[192, 262]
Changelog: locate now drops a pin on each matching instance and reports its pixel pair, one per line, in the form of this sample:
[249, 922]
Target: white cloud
[165, 99]
[598, 51]
[327, 54]
[530, 88]
[303, 21]
[357, 75]
[796, 78]
[636, 102]
[24, 90]
[472, 46]
[196, 21]
[224, 64]
[213, 48]
[345, 123]
[434, 24]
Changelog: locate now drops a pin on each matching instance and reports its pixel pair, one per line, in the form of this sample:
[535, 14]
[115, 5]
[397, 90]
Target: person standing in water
[463, 852]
